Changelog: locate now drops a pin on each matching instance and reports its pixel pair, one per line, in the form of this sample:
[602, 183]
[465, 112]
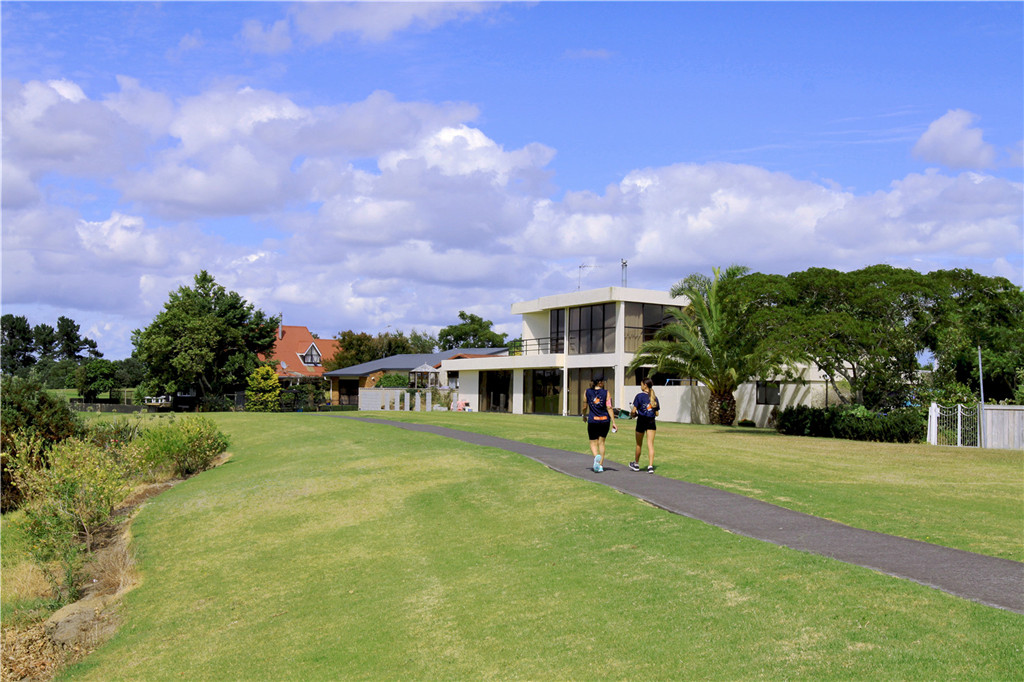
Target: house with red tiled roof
[299, 355]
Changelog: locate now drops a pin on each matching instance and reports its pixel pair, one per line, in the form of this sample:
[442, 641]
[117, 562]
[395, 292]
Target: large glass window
[643, 320]
[543, 391]
[557, 334]
[592, 329]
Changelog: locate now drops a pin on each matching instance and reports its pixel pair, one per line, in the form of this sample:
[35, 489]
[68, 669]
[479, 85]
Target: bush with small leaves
[187, 446]
[67, 500]
[28, 408]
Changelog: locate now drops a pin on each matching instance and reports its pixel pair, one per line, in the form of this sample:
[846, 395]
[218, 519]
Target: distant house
[346, 382]
[299, 355]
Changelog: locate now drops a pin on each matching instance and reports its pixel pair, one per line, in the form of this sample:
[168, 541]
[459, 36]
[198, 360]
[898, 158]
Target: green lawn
[967, 498]
[327, 548]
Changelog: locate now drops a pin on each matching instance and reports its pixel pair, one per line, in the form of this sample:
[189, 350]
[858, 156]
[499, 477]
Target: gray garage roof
[407, 362]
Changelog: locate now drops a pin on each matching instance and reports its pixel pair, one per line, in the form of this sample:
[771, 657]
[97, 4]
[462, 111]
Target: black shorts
[645, 424]
[598, 430]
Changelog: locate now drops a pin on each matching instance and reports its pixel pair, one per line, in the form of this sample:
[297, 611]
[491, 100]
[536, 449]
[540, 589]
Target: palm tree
[704, 343]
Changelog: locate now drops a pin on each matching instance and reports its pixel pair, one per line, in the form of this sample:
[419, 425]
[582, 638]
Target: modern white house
[568, 339]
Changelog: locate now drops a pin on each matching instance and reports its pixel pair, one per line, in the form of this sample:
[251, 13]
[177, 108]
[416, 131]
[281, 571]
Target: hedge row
[906, 425]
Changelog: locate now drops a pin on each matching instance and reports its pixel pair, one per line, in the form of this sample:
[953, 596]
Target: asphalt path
[984, 579]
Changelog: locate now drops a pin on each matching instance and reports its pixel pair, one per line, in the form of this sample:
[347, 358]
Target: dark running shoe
[633, 466]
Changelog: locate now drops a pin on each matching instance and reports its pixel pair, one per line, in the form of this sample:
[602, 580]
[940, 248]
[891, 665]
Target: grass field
[327, 548]
[967, 498]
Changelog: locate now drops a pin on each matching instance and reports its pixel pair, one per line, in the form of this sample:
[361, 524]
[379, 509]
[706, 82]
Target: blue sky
[354, 166]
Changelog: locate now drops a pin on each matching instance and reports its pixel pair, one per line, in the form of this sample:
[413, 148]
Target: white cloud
[377, 21]
[382, 211]
[123, 239]
[146, 109]
[463, 151]
[53, 127]
[674, 220]
[952, 142]
[274, 40]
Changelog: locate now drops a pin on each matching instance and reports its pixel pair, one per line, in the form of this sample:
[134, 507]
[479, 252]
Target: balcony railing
[530, 347]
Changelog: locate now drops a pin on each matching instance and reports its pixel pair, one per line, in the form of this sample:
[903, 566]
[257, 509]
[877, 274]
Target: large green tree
[870, 328]
[972, 311]
[71, 345]
[44, 341]
[95, 377]
[865, 327]
[206, 338]
[704, 342]
[16, 343]
[472, 332]
[356, 348]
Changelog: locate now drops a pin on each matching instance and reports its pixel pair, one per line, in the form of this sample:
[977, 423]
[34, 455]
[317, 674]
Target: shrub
[67, 501]
[905, 425]
[393, 381]
[28, 409]
[748, 423]
[186, 446]
[115, 433]
[264, 391]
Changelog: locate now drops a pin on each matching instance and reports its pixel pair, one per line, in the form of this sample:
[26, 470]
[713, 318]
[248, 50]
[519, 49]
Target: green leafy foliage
[28, 409]
[472, 332]
[206, 338]
[70, 490]
[24, 346]
[393, 380]
[868, 328]
[16, 343]
[854, 422]
[705, 342]
[355, 348]
[186, 446]
[307, 394]
[94, 378]
[264, 391]
[972, 311]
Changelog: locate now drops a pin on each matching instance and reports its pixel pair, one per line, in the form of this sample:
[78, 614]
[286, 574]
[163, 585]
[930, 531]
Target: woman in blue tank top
[600, 417]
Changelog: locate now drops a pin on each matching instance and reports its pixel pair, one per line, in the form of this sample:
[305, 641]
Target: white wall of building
[536, 326]
[469, 389]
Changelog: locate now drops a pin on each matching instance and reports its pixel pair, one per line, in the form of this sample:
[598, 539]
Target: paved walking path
[988, 580]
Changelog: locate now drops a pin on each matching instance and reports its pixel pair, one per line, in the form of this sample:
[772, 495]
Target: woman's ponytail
[650, 389]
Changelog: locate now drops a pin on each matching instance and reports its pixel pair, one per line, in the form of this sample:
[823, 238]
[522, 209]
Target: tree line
[61, 357]
[867, 331]
[472, 331]
[206, 339]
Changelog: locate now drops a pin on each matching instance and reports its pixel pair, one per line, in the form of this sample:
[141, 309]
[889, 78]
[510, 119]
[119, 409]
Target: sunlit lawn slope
[327, 548]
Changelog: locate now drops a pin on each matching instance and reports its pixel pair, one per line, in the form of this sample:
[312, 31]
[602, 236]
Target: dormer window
[311, 358]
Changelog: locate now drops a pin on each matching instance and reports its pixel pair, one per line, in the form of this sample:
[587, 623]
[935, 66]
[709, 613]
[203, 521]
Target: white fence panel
[1004, 427]
[960, 425]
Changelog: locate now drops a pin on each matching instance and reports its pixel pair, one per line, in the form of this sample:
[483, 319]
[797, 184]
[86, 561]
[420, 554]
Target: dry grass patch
[25, 581]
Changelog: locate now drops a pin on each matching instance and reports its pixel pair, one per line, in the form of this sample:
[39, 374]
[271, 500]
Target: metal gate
[956, 425]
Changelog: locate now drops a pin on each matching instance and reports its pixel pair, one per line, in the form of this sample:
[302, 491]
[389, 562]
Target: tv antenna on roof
[579, 279]
[624, 264]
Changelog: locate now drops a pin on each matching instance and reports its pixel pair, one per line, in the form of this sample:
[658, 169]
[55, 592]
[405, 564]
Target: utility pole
[624, 264]
[981, 407]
